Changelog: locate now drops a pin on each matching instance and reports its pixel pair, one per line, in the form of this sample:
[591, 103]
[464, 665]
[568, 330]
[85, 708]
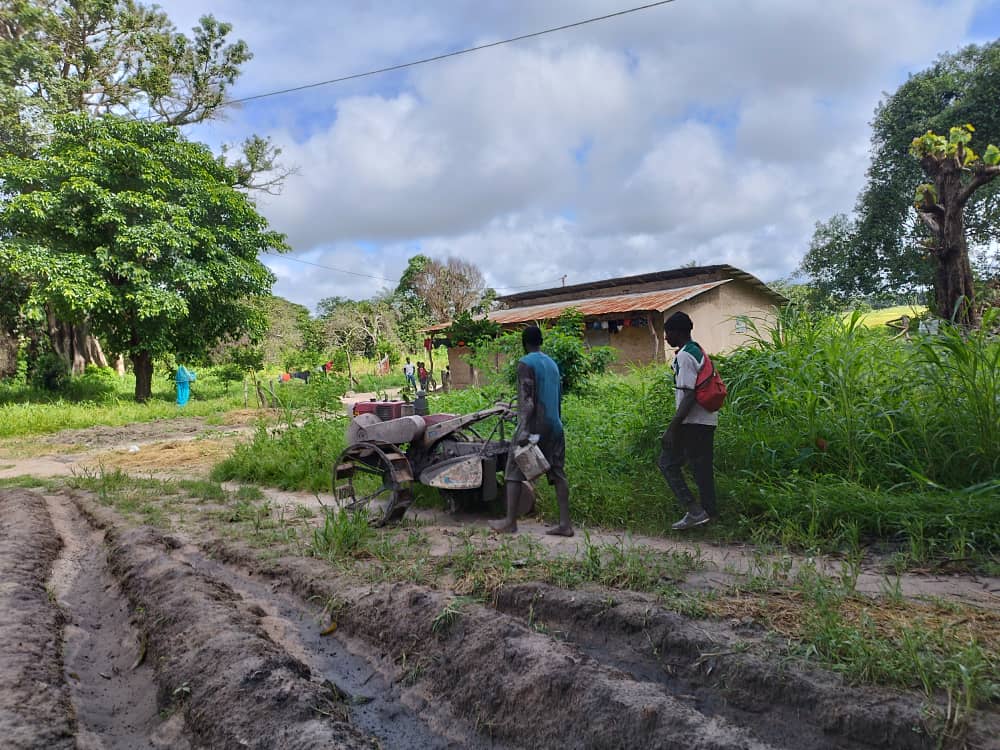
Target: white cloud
[711, 131]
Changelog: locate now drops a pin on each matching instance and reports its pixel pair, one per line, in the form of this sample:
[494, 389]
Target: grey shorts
[554, 450]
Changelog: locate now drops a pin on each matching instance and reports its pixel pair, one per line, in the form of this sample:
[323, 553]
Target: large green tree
[129, 225]
[100, 57]
[880, 251]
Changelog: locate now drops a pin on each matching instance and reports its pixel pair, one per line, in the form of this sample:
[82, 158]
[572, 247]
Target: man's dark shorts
[554, 450]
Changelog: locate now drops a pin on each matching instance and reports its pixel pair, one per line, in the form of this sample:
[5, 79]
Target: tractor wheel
[376, 478]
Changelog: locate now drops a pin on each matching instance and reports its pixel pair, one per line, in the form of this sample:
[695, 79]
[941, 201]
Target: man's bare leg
[509, 524]
[565, 528]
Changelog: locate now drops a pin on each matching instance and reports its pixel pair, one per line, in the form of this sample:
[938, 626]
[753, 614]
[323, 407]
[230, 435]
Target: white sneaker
[690, 520]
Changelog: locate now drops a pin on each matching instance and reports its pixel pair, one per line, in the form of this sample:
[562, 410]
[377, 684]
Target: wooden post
[655, 335]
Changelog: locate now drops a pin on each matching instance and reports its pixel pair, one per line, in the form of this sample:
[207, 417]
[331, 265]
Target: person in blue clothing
[539, 412]
[184, 379]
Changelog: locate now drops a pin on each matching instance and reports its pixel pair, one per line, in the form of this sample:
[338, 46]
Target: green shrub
[50, 373]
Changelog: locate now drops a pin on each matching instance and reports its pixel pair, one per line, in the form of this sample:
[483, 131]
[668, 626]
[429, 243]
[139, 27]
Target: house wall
[714, 315]
[462, 373]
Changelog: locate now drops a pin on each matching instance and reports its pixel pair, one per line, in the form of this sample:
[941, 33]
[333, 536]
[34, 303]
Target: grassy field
[883, 316]
[103, 398]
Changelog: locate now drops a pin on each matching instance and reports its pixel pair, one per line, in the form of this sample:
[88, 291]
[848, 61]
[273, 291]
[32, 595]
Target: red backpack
[709, 390]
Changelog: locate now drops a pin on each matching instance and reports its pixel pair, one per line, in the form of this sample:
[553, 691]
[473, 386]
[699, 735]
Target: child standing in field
[690, 437]
[422, 375]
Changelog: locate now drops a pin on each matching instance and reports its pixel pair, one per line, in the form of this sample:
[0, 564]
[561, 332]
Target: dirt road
[223, 627]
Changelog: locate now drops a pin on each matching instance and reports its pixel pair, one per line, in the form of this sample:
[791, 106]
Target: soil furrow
[112, 687]
[35, 707]
[216, 663]
[516, 684]
[398, 718]
[778, 703]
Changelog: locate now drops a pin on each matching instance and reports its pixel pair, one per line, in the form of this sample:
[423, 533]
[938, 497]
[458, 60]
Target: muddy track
[112, 687]
[780, 703]
[35, 709]
[618, 674]
[251, 668]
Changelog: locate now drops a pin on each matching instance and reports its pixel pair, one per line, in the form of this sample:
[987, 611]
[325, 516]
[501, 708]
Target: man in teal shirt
[539, 412]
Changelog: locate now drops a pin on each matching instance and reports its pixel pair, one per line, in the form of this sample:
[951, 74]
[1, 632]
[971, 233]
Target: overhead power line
[395, 281]
[446, 55]
[338, 270]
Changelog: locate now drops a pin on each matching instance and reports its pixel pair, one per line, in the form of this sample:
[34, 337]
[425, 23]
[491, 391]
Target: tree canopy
[129, 225]
[108, 57]
[879, 252]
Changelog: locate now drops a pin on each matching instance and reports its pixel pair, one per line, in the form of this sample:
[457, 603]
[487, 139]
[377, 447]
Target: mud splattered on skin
[34, 701]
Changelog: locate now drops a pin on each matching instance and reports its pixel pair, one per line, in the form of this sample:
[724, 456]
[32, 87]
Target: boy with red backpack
[690, 437]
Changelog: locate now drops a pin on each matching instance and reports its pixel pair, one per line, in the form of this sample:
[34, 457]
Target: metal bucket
[531, 461]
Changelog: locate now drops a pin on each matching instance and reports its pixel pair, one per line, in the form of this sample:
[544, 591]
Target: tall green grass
[834, 435]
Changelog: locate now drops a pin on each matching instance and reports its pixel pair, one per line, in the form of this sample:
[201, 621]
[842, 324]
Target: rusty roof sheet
[596, 306]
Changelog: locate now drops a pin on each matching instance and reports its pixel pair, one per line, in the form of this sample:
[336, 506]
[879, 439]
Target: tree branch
[982, 176]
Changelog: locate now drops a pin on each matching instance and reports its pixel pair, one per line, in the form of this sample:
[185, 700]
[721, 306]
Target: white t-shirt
[687, 363]
[408, 369]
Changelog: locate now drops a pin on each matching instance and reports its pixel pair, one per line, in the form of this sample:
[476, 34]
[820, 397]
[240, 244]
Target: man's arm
[526, 403]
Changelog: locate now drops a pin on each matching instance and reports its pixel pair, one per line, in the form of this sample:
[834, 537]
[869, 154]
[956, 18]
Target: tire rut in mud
[215, 661]
[112, 688]
[781, 704]
[529, 689]
[35, 708]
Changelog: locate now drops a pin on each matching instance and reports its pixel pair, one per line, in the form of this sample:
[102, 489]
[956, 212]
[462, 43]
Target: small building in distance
[627, 313]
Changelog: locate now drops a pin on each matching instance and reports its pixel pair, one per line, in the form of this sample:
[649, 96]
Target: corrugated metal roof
[614, 305]
[717, 271]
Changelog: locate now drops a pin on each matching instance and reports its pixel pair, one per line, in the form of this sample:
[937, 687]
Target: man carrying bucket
[539, 418]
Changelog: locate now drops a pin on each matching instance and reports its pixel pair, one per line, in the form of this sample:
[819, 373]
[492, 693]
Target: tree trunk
[9, 345]
[142, 365]
[74, 343]
[954, 293]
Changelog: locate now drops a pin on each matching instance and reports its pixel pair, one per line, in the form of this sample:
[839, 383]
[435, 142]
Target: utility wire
[338, 270]
[394, 281]
[446, 55]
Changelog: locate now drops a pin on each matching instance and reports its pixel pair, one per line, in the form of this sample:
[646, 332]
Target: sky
[712, 131]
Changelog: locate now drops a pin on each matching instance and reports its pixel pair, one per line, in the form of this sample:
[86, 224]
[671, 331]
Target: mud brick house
[627, 313]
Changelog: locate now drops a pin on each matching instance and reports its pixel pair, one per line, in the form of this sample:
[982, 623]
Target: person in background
[409, 372]
[690, 436]
[446, 378]
[539, 413]
[422, 375]
[184, 379]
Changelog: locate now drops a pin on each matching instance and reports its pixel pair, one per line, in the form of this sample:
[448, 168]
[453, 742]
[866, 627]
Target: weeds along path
[111, 685]
[719, 565]
[35, 709]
